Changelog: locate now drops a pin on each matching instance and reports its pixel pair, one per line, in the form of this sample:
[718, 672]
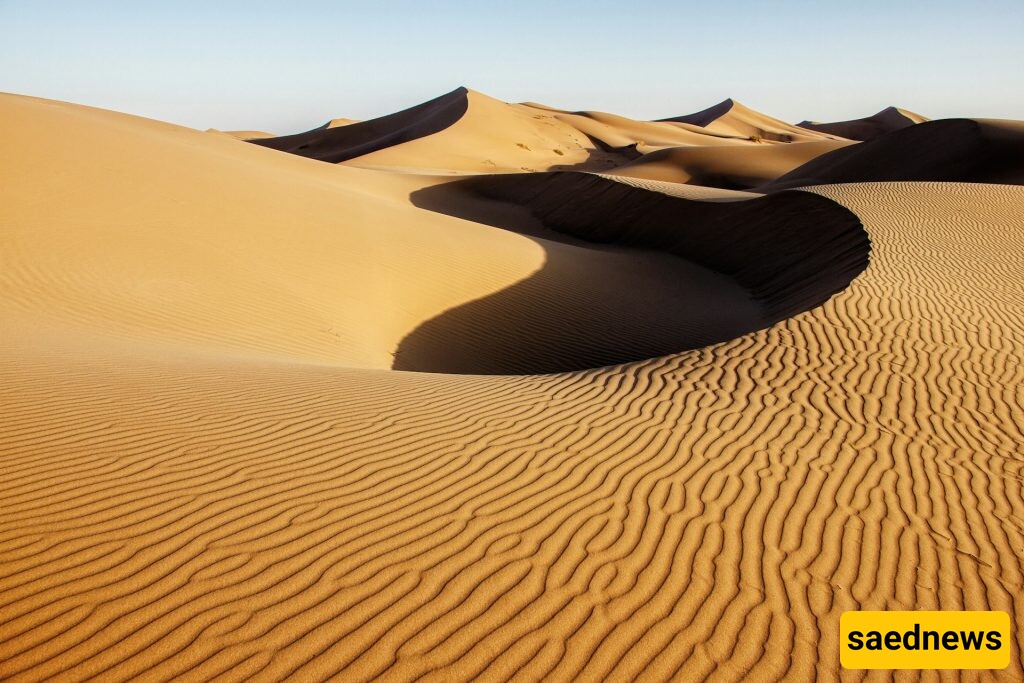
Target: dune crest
[469, 132]
[870, 127]
[340, 143]
[783, 254]
[733, 118]
[954, 150]
[149, 254]
[730, 167]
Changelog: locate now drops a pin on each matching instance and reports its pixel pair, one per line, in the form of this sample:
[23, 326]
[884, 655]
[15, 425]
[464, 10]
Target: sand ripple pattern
[707, 515]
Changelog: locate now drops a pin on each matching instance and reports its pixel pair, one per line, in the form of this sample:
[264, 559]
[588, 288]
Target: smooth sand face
[208, 466]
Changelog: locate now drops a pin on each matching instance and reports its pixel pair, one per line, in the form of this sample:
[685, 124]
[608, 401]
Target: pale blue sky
[288, 66]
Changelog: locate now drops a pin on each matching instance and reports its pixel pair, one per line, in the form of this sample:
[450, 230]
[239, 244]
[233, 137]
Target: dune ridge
[466, 131]
[730, 167]
[869, 127]
[791, 250]
[953, 150]
[733, 118]
[332, 142]
[784, 254]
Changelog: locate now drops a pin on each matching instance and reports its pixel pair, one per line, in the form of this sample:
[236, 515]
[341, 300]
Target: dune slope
[731, 167]
[867, 128]
[786, 252]
[702, 513]
[330, 264]
[965, 150]
[339, 139]
[733, 118]
[250, 252]
[469, 132]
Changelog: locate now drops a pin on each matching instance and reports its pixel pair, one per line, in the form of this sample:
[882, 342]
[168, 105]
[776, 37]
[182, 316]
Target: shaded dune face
[704, 116]
[726, 167]
[868, 128]
[735, 266]
[947, 150]
[341, 143]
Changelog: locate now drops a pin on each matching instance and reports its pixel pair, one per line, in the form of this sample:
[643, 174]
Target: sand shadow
[631, 274]
[335, 145]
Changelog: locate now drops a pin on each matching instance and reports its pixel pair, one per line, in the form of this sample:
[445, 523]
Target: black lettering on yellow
[972, 639]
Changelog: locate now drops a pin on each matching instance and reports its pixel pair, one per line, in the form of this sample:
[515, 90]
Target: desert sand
[499, 391]
[869, 127]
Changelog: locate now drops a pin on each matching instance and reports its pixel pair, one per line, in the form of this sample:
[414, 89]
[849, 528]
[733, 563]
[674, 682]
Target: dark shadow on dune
[632, 274]
[705, 116]
[348, 142]
[946, 150]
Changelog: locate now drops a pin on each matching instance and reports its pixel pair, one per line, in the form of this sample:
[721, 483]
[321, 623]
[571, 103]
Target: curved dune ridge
[869, 127]
[791, 250]
[336, 143]
[741, 265]
[213, 467]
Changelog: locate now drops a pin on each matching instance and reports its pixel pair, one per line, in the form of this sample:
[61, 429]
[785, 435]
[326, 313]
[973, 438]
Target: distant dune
[960, 150]
[248, 134]
[731, 117]
[466, 131]
[869, 128]
[732, 166]
[342, 142]
[491, 391]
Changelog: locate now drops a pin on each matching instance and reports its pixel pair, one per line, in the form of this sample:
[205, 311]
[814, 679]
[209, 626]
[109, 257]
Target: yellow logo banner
[924, 640]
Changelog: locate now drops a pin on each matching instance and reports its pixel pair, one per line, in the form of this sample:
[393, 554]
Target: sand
[869, 127]
[734, 118]
[964, 150]
[252, 427]
[733, 166]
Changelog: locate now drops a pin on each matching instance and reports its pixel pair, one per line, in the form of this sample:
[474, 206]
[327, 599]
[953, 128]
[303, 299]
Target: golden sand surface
[265, 416]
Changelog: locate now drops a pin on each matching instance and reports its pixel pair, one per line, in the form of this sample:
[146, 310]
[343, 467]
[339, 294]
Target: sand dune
[786, 253]
[732, 166]
[964, 150]
[733, 118]
[338, 143]
[260, 135]
[155, 276]
[212, 465]
[467, 131]
[247, 134]
[870, 127]
[166, 262]
[494, 136]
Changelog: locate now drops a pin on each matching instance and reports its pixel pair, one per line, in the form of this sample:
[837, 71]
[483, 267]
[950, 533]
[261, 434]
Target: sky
[284, 67]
